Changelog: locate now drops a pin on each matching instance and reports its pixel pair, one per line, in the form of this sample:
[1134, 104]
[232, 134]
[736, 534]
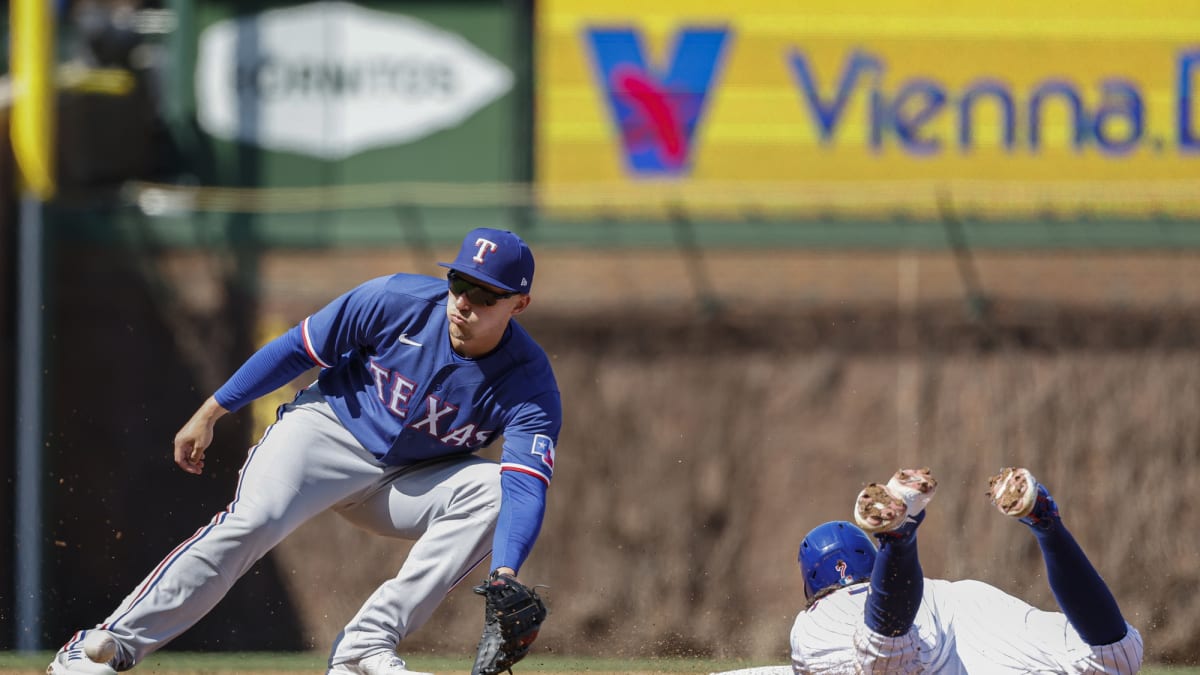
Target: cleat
[1016, 493]
[71, 660]
[1013, 492]
[383, 663]
[887, 508]
[877, 510]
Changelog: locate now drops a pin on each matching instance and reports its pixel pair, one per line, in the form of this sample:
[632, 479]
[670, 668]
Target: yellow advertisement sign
[800, 101]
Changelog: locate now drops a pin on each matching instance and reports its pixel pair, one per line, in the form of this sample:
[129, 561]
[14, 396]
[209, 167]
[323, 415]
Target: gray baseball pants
[308, 462]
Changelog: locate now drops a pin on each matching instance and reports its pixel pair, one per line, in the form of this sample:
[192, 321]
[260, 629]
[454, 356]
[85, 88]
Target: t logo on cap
[496, 257]
[485, 247]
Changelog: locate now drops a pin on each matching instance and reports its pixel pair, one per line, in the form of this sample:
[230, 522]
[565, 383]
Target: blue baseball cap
[496, 257]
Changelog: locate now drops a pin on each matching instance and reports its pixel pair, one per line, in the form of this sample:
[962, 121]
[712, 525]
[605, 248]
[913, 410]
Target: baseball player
[417, 374]
[871, 610]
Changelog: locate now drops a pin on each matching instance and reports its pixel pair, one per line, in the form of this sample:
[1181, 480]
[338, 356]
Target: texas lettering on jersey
[395, 392]
[391, 376]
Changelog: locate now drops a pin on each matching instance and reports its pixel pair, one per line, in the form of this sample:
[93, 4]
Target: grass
[265, 662]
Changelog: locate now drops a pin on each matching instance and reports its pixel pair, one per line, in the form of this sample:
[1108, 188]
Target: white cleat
[883, 508]
[71, 660]
[1013, 491]
[383, 663]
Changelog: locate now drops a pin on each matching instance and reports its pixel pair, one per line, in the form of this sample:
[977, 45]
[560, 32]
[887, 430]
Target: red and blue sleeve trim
[308, 345]
[512, 466]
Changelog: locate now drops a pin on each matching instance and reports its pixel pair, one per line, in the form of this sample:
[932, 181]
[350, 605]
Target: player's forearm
[521, 511]
[196, 435]
[197, 432]
[210, 411]
[271, 367]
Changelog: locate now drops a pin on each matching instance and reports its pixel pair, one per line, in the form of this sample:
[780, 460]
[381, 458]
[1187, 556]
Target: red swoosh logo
[655, 106]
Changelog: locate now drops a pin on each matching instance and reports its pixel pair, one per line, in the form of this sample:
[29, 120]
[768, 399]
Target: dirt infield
[151, 670]
[238, 671]
[266, 663]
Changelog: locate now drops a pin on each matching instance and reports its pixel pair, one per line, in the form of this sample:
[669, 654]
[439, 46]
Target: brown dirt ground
[174, 671]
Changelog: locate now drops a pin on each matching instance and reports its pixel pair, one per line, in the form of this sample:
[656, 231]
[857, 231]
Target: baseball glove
[512, 615]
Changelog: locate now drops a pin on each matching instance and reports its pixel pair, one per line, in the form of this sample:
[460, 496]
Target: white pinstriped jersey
[961, 627]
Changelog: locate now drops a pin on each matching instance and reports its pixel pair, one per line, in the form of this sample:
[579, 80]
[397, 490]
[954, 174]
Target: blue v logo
[656, 111]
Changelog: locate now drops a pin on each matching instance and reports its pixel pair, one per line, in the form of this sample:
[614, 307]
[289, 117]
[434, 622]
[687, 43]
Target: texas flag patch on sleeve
[535, 459]
[543, 447]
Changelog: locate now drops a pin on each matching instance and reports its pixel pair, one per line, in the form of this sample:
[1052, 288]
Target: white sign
[331, 79]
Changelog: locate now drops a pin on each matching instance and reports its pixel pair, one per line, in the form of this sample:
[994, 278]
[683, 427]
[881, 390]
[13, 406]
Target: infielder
[414, 380]
[871, 610]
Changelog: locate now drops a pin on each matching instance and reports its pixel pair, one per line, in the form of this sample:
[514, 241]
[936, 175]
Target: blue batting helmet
[836, 553]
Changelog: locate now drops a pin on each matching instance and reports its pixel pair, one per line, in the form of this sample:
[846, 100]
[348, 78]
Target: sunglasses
[478, 295]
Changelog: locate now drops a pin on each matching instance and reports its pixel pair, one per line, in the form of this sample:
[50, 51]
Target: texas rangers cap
[496, 257]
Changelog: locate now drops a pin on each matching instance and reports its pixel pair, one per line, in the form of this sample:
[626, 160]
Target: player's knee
[254, 522]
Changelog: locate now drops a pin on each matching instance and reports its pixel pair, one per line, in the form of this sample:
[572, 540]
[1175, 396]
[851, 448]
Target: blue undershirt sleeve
[1081, 593]
[277, 363]
[521, 510]
[897, 584]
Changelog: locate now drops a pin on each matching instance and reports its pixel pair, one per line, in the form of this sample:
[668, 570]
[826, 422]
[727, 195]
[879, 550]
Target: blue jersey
[392, 378]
